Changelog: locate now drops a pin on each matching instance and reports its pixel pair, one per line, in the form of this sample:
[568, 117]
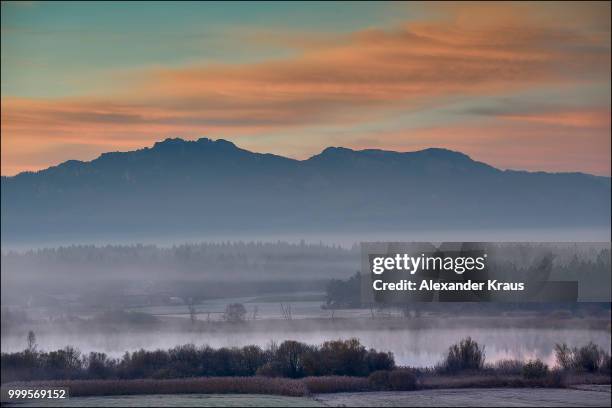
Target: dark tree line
[252, 259]
[289, 359]
[344, 293]
[185, 254]
[589, 266]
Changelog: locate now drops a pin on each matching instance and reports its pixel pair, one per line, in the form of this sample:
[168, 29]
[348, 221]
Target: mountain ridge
[325, 153]
[178, 186]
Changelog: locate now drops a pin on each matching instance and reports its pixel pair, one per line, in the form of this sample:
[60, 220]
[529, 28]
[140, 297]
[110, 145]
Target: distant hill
[213, 187]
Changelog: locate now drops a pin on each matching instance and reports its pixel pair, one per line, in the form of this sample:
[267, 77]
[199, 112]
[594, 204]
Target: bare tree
[31, 342]
[191, 302]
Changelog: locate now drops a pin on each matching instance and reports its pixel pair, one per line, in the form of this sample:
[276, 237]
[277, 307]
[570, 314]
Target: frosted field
[598, 396]
[492, 397]
[194, 400]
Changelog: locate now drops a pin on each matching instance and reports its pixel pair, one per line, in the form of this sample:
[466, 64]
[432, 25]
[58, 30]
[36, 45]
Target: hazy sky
[523, 85]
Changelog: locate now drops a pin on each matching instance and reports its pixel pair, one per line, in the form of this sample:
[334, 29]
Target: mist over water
[419, 347]
[64, 294]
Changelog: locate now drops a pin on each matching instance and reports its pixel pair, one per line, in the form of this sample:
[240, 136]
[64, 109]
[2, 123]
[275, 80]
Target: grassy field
[588, 397]
[493, 397]
[195, 400]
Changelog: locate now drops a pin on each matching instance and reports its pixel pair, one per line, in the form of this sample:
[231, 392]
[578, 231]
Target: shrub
[467, 355]
[402, 379]
[535, 369]
[379, 380]
[588, 358]
[377, 361]
[290, 356]
[606, 366]
[343, 357]
[564, 356]
[250, 358]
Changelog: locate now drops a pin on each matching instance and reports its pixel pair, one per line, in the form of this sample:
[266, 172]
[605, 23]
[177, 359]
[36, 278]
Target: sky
[516, 85]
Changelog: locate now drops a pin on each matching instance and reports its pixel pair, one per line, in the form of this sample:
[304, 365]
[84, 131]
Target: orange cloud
[515, 144]
[595, 119]
[351, 80]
